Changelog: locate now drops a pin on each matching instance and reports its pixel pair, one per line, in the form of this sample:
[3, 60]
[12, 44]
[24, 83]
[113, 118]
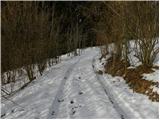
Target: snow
[129, 103]
[155, 89]
[152, 76]
[21, 77]
[73, 89]
[133, 60]
[134, 104]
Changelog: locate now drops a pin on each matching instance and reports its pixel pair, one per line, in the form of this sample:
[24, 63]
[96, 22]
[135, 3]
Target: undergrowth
[133, 76]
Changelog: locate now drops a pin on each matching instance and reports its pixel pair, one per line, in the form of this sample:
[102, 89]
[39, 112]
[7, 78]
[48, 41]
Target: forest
[34, 32]
[59, 59]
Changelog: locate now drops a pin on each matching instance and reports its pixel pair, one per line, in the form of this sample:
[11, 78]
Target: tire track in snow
[112, 99]
[122, 114]
[98, 102]
[63, 92]
[130, 110]
[54, 110]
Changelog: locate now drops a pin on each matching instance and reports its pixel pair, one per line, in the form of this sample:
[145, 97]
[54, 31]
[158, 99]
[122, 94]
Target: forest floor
[74, 89]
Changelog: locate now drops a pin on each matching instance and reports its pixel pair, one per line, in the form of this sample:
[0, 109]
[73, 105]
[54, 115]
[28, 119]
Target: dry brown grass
[133, 77]
[115, 66]
[100, 72]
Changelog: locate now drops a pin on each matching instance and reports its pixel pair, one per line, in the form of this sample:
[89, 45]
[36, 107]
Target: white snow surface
[152, 76]
[127, 102]
[72, 89]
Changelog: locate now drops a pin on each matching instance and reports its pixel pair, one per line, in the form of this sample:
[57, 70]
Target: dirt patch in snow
[115, 67]
[100, 72]
[133, 77]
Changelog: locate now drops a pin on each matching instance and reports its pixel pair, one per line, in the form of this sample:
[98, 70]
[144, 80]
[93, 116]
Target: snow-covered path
[80, 95]
[70, 89]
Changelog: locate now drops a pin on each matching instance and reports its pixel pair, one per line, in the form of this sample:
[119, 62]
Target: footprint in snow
[74, 109]
[53, 113]
[13, 110]
[60, 100]
[80, 93]
[2, 115]
[73, 112]
[72, 102]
